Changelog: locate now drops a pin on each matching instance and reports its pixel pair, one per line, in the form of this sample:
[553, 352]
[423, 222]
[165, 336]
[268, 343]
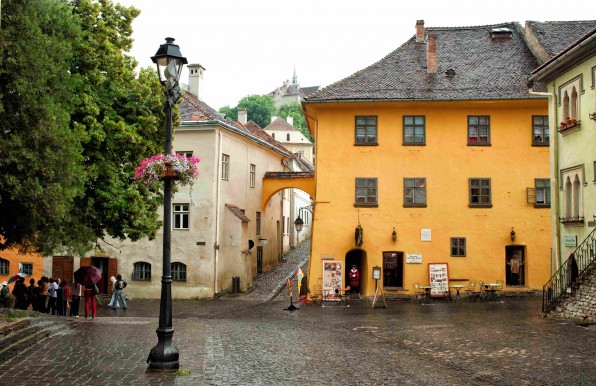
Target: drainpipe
[217, 202]
[552, 97]
[313, 199]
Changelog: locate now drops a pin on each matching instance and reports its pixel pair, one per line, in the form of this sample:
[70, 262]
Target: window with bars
[366, 192]
[178, 271]
[4, 266]
[479, 130]
[540, 136]
[366, 130]
[181, 216]
[253, 175]
[480, 193]
[225, 167]
[414, 192]
[458, 246]
[414, 130]
[141, 271]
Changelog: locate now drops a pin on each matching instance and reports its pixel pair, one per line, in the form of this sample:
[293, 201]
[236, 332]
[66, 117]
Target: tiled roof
[484, 68]
[555, 36]
[309, 90]
[238, 212]
[280, 124]
[305, 164]
[191, 109]
[289, 89]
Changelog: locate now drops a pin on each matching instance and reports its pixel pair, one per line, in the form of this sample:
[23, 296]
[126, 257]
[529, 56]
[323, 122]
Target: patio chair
[499, 289]
[481, 290]
[419, 292]
[471, 292]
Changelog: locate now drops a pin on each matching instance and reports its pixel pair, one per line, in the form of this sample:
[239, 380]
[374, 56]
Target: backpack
[120, 285]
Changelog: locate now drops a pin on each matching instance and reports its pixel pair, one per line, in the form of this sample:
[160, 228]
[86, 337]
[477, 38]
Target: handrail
[585, 256]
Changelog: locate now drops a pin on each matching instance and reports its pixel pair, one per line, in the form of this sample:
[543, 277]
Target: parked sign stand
[378, 291]
[438, 279]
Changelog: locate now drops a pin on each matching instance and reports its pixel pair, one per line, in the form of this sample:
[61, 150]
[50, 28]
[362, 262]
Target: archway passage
[357, 257]
[273, 182]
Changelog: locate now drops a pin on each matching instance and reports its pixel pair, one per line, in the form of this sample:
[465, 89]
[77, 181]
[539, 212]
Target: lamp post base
[164, 356]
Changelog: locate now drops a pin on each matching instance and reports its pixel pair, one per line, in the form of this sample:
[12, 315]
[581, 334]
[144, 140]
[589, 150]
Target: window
[414, 192]
[26, 268]
[414, 130]
[186, 153]
[178, 272]
[181, 216]
[273, 135]
[4, 266]
[366, 192]
[225, 166]
[569, 94]
[480, 193]
[288, 137]
[458, 246]
[366, 130]
[258, 223]
[479, 130]
[573, 179]
[393, 269]
[253, 175]
[542, 186]
[141, 271]
[540, 135]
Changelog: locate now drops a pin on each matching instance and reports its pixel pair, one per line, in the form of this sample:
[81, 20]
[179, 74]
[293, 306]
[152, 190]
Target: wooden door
[259, 259]
[62, 267]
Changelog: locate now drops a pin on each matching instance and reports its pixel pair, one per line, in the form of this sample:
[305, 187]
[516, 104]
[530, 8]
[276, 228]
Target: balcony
[572, 220]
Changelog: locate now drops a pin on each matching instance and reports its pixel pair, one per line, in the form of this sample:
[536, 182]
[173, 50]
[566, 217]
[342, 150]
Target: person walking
[76, 291]
[90, 291]
[59, 298]
[113, 302]
[52, 296]
[119, 285]
[32, 290]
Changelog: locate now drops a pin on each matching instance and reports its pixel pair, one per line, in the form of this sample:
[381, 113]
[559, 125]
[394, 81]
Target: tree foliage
[259, 108]
[294, 110]
[231, 113]
[82, 121]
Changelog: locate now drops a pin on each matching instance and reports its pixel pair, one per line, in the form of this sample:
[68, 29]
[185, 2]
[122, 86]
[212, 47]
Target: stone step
[24, 334]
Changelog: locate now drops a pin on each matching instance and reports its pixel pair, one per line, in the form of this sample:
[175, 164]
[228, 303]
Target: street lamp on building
[164, 356]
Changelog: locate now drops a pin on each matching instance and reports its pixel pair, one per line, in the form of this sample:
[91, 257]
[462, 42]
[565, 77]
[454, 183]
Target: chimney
[419, 31]
[290, 120]
[431, 53]
[242, 116]
[195, 79]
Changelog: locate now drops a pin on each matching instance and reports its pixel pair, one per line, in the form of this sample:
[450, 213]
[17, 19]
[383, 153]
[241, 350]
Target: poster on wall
[332, 279]
[438, 279]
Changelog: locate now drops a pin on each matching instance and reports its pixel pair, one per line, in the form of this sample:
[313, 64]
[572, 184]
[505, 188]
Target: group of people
[57, 297]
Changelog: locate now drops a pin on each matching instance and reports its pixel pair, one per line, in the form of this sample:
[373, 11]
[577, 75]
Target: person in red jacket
[354, 277]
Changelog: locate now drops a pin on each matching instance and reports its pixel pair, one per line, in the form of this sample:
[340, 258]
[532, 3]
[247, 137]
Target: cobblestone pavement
[243, 342]
[267, 286]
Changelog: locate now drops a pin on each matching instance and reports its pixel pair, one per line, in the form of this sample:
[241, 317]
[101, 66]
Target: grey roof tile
[555, 36]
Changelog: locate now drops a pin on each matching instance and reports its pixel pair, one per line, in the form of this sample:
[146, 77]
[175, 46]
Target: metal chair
[471, 292]
[499, 289]
[419, 292]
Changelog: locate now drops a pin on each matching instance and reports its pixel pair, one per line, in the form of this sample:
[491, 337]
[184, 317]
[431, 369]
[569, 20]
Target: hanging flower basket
[168, 166]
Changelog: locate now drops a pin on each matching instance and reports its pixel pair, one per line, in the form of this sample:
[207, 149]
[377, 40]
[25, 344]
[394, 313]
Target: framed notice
[439, 280]
[413, 258]
[425, 235]
[332, 279]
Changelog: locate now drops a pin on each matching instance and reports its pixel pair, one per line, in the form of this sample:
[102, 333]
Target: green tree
[75, 121]
[231, 113]
[294, 110]
[259, 108]
[40, 156]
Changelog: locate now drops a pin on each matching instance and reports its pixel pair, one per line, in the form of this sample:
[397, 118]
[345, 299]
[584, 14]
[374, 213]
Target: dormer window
[501, 33]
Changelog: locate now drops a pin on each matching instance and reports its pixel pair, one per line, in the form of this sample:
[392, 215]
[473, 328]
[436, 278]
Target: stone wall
[581, 303]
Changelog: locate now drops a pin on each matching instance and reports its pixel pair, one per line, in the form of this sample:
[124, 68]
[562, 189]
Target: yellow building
[440, 155]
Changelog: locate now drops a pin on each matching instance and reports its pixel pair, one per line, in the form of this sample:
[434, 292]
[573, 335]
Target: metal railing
[585, 256]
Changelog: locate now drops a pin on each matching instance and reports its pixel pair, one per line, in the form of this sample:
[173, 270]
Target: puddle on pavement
[369, 329]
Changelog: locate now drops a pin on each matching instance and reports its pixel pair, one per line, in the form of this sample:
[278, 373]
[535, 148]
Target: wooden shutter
[112, 267]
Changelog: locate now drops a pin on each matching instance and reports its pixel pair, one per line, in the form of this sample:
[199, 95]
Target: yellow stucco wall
[14, 258]
[447, 162]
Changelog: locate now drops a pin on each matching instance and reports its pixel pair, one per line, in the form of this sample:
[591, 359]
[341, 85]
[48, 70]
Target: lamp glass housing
[299, 223]
[169, 54]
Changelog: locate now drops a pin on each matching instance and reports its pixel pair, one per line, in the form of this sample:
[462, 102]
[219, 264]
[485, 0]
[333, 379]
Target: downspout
[554, 136]
[313, 199]
[217, 201]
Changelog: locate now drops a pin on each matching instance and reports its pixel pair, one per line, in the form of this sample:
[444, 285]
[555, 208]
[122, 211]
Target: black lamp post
[164, 356]
[298, 224]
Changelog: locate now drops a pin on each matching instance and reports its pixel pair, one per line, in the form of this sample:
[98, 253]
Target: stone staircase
[579, 300]
[21, 335]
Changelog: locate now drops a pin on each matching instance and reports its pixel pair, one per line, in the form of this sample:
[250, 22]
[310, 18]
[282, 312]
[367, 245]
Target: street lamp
[164, 356]
[298, 224]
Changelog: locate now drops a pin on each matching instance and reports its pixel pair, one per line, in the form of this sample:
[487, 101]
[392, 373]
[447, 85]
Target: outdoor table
[458, 288]
[426, 292]
[491, 293]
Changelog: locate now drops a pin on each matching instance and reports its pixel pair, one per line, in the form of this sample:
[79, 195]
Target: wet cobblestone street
[243, 342]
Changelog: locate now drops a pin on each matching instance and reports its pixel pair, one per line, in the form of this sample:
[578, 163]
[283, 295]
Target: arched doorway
[357, 257]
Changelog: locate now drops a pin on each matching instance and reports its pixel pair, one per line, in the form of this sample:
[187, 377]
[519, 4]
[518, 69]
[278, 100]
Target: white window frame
[181, 214]
[225, 167]
[572, 186]
[253, 175]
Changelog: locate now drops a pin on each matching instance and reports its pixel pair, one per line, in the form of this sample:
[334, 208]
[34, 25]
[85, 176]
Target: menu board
[438, 279]
[332, 279]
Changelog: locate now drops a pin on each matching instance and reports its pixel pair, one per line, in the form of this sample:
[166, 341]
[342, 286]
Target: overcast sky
[251, 47]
